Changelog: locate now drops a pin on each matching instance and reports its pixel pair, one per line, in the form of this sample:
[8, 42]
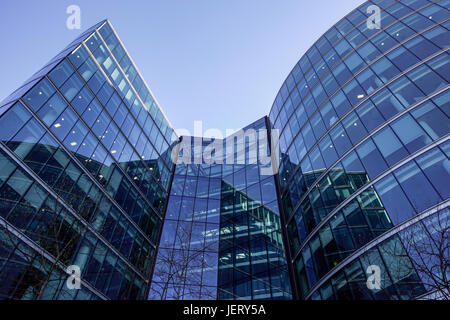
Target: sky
[221, 62]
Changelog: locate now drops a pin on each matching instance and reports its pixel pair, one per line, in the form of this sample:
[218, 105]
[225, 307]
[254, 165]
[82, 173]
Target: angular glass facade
[222, 236]
[85, 171]
[364, 124]
[358, 181]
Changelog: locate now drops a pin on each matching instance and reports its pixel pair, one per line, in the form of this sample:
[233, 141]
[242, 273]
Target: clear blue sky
[219, 61]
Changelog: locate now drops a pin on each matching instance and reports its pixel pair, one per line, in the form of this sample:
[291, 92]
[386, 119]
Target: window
[426, 79]
[383, 42]
[351, 163]
[39, 94]
[12, 121]
[306, 253]
[71, 87]
[389, 146]
[402, 58]
[400, 31]
[387, 104]
[368, 52]
[328, 115]
[432, 120]
[61, 73]
[308, 136]
[419, 191]
[438, 35]
[410, 133]
[316, 159]
[385, 69]
[372, 257]
[318, 125]
[354, 92]
[354, 128]
[76, 136]
[341, 73]
[371, 158]
[24, 140]
[436, 167]
[79, 56]
[329, 84]
[369, 115]
[394, 200]
[421, 47]
[328, 151]
[441, 65]
[82, 100]
[369, 81]
[443, 102]
[340, 103]
[417, 22]
[354, 62]
[340, 139]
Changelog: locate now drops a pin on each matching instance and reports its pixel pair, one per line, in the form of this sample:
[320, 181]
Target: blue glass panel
[417, 187]
[394, 200]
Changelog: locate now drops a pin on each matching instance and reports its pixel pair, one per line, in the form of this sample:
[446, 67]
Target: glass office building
[92, 175]
[222, 236]
[84, 176]
[364, 177]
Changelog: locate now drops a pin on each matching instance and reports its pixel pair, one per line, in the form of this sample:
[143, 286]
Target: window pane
[12, 121]
[437, 168]
[419, 191]
[371, 158]
[394, 200]
[410, 133]
[432, 120]
[389, 146]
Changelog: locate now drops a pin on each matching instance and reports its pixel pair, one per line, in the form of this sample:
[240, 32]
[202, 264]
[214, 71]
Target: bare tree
[178, 271]
[421, 256]
[428, 246]
[37, 273]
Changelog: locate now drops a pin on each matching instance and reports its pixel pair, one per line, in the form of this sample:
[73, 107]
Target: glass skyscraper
[364, 176]
[91, 176]
[85, 170]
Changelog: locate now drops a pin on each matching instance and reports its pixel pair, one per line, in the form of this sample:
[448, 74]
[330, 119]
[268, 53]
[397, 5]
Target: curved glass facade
[364, 122]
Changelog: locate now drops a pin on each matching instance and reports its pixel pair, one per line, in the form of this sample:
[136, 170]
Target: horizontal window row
[100, 51]
[384, 149]
[402, 260]
[369, 115]
[193, 209]
[58, 171]
[237, 285]
[138, 83]
[382, 42]
[22, 270]
[75, 135]
[109, 122]
[21, 200]
[411, 189]
[29, 208]
[310, 123]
